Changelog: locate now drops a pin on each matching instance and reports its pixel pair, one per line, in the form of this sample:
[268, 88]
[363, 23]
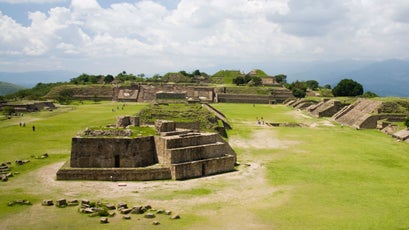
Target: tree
[256, 81]
[108, 79]
[369, 94]
[239, 80]
[299, 93]
[312, 84]
[348, 87]
[299, 89]
[281, 78]
[196, 73]
[327, 86]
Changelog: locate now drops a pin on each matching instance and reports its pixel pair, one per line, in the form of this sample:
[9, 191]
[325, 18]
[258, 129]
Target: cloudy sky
[159, 36]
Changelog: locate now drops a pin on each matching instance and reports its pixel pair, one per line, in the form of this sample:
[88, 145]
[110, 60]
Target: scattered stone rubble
[5, 167]
[19, 202]
[106, 210]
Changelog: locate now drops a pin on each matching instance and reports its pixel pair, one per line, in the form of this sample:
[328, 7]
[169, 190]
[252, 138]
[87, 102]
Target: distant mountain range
[30, 79]
[385, 78]
[8, 88]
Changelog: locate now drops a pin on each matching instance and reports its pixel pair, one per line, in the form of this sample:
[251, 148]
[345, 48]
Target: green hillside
[8, 88]
[225, 76]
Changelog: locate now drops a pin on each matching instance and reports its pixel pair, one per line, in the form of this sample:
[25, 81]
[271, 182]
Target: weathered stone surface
[104, 220]
[61, 203]
[165, 126]
[168, 212]
[47, 203]
[110, 206]
[112, 152]
[121, 205]
[175, 217]
[126, 210]
[155, 222]
[125, 121]
[137, 210]
[149, 215]
[87, 210]
[84, 201]
[126, 217]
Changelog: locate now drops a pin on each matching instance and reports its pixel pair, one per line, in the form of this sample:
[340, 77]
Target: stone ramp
[358, 113]
[301, 103]
[326, 108]
[219, 115]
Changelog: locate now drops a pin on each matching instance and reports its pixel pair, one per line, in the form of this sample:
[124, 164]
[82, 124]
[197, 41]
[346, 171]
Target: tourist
[34, 128]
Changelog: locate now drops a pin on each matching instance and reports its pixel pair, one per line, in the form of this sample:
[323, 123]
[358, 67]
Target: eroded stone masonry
[174, 154]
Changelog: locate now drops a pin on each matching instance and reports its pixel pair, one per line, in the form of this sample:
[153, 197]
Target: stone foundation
[112, 152]
[175, 155]
[114, 174]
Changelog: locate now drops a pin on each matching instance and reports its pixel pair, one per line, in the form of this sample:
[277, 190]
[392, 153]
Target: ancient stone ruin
[174, 154]
[362, 114]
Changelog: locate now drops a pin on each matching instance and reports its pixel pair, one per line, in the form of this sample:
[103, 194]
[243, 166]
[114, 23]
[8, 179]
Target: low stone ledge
[114, 174]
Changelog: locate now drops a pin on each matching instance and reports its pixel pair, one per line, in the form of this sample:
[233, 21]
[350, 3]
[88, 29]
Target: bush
[406, 122]
[348, 88]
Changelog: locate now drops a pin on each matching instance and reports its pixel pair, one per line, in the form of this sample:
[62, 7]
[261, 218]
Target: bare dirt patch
[264, 138]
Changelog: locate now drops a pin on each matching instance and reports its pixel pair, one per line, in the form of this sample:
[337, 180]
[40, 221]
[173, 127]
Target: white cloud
[146, 36]
[31, 1]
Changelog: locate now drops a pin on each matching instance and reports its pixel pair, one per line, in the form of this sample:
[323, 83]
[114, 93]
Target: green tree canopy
[281, 78]
[299, 89]
[348, 87]
[312, 84]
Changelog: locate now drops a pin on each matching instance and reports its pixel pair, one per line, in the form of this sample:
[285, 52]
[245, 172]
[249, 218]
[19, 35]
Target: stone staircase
[191, 155]
[326, 108]
[356, 114]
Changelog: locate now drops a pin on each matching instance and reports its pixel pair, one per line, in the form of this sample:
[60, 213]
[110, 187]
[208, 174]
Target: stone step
[172, 142]
[194, 153]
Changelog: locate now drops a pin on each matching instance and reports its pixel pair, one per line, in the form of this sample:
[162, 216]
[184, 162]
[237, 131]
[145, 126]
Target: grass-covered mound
[179, 113]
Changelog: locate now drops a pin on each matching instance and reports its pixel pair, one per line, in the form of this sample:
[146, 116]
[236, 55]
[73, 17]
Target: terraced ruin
[362, 114]
[175, 153]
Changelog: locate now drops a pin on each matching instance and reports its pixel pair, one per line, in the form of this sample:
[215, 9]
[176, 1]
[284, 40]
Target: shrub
[348, 88]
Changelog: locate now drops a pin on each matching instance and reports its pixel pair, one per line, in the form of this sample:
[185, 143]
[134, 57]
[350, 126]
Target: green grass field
[321, 176]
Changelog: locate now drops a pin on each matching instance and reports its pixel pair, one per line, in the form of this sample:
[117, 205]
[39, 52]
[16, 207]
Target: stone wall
[30, 107]
[202, 167]
[195, 125]
[148, 93]
[190, 140]
[114, 174]
[245, 98]
[112, 152]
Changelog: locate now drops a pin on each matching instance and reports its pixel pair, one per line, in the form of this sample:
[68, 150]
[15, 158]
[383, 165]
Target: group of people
[117, 107]
[23, 124]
